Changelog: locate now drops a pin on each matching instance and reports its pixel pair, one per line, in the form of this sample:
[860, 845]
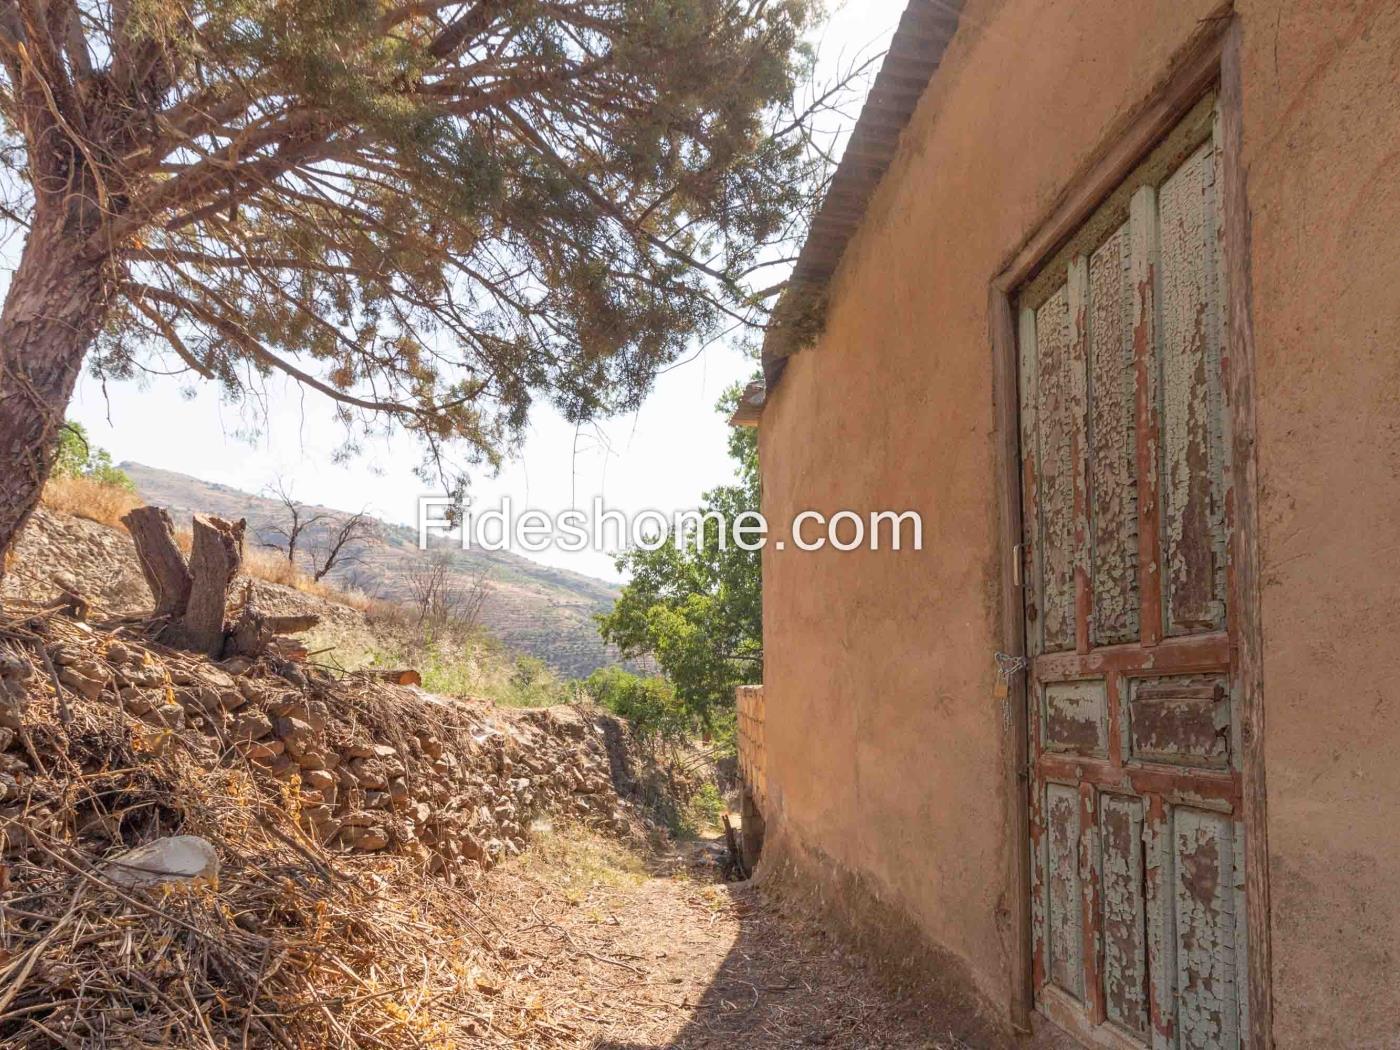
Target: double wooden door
[1138, 915]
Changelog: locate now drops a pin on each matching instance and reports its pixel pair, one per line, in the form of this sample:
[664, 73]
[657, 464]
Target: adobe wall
[1322, 147]
[885, 746]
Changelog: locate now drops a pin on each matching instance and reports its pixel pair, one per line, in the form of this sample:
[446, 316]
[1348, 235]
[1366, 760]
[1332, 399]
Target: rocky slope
[532, 608]
[99, 562]
[57, 550]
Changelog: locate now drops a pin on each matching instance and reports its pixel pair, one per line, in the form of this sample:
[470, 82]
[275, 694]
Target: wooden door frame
[1211, 59]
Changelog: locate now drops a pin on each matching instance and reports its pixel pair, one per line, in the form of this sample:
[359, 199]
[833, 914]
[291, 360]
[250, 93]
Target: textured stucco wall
[1322, 146]
[885, 745]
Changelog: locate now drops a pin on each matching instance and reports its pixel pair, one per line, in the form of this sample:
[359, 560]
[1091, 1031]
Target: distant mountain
[532, 608]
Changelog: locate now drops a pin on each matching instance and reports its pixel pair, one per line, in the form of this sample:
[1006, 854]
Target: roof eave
[916, 50]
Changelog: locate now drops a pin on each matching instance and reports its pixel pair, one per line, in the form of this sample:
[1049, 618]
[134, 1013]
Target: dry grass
[105, 504]
[579, 861]
[87, 498]
[297, 945]
[357, 600]
[272, 567]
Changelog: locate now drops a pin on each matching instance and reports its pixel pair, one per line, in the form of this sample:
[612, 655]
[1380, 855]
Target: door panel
[1076, 718]
[1112, 478]
[1205, 892]
[1192, 311]
[1137, 893]
[1064, 912]
[1125, 912]
[1060, 447]
[1183, 720]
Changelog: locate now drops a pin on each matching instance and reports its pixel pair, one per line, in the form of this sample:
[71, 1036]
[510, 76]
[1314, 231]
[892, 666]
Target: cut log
[161, 561]
[215, 558]
[289, 649]
[254, 631]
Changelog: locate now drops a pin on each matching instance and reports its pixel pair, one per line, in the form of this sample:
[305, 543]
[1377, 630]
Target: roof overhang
[750, 406]
[915, 52]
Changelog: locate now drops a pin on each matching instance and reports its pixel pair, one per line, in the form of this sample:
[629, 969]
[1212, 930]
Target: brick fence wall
[752, 756]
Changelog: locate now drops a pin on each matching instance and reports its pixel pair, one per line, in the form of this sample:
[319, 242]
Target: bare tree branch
[345, 544]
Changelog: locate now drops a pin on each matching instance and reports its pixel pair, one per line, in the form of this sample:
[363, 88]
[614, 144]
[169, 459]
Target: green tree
[77, 457]
[696, 606]
[431, 212]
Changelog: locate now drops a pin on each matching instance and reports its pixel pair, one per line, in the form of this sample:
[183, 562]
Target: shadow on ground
[785, 983]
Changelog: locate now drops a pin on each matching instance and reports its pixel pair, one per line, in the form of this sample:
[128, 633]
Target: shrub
[650, 704]
[79, 458]
[455, 659]
[705, 807]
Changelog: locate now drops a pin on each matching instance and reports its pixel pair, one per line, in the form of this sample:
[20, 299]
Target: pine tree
[433, 213]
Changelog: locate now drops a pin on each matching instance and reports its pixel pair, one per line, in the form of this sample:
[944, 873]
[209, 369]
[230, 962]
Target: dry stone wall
[364, 766]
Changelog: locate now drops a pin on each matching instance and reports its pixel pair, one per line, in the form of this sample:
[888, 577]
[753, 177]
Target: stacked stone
[467, 799]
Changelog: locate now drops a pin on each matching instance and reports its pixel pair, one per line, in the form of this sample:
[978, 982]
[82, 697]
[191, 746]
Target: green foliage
[79, 458]
[532, 684]
[648, 703]
[704, 808]
[696, 607]
[434, 214]
[463, 662]
[482, 668]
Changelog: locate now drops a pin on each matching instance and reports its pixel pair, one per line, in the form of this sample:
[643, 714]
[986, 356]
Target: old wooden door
[1137, 842]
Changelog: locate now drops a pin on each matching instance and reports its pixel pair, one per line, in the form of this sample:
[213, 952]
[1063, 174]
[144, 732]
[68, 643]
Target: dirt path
[597, 951]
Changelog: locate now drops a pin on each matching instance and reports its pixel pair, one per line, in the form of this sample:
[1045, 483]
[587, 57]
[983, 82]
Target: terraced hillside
[532, 608]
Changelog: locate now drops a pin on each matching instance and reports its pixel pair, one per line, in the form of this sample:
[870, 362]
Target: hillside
[532, 608]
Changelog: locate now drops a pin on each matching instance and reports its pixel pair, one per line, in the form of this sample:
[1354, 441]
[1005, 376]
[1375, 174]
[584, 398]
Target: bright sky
[661, 457]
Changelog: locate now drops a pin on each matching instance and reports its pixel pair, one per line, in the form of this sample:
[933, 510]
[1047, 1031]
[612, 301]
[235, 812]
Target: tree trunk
[57, 302]
[161, 561]
[215, 558]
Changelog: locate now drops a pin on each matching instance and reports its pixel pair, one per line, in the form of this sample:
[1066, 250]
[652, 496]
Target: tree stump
[193, 596]
[161, 561]
[215, 558]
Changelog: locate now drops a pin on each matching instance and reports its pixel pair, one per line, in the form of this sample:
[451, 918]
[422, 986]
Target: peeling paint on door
[1125, 918]
[1193, 510]
[1112, 476]
[1076, 718]
[1137, 892]
[1184, 720]
[1208, 1009]
[1057, 414]
[1064, 915]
